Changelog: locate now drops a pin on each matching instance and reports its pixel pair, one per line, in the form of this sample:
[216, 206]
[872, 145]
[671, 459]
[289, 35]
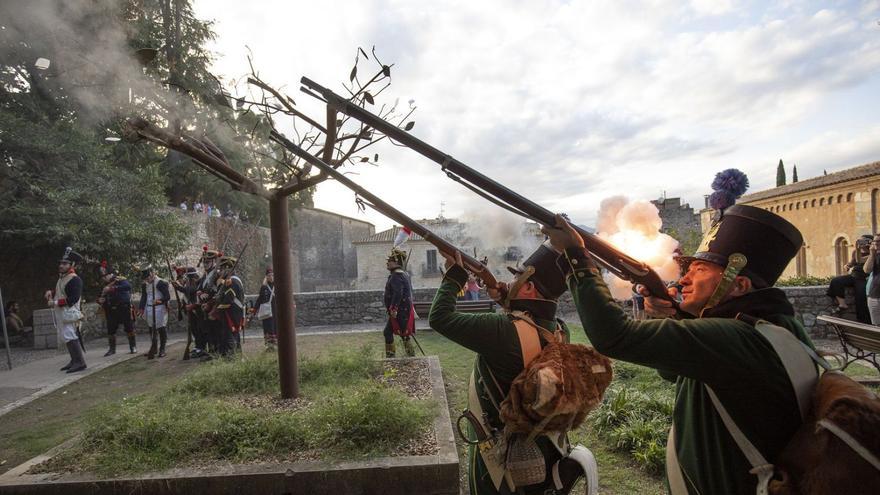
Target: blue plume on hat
[728, 185]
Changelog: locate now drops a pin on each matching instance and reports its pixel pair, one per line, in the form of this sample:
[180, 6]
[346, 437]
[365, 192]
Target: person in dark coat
[207, 330]
[855, 278]
[116, 302]
[267, 296]
[399, 305]
[229, 309]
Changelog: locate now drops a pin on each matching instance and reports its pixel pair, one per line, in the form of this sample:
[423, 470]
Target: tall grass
[350, 416]
[636, 415]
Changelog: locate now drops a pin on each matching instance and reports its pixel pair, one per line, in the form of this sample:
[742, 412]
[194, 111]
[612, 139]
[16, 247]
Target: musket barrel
[472, 264]
[617, 262]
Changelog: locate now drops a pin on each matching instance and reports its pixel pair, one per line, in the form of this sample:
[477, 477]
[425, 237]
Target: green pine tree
[780, 174]
[794, 174]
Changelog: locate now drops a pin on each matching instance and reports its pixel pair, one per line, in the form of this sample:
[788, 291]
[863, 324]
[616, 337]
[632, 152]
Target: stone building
[324, 253]
[425, 264]
[677, 217]
[831, 211]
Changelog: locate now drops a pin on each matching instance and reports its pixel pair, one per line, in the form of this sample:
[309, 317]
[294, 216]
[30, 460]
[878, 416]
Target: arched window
[801, 263]
[806, 203]
[821, 201]
[790, 206]
[839, 198]
[849, 197]
[813, 203]
[797, 206]
[783, 207]
[841, 254]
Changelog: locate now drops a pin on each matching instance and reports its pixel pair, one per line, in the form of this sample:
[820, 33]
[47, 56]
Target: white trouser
[874, 309]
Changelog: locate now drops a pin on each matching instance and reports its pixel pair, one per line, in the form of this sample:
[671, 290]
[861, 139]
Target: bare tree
[274, 173]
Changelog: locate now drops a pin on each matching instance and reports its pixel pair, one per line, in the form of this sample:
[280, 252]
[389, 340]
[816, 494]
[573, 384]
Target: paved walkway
[36, 373]
[39, 377]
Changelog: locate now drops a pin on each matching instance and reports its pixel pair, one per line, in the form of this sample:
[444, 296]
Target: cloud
[572, 102]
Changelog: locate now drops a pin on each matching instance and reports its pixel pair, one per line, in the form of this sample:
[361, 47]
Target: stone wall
[324, 253]
[342, 307]
[810, 302]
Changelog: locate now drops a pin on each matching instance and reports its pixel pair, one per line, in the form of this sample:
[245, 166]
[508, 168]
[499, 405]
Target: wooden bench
[859, 340]
[479, 306]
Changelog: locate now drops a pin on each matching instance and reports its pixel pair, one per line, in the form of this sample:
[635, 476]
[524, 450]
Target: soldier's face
[698, 284]
[63, 267]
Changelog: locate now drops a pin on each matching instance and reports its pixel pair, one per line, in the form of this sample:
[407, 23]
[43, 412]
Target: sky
[571, 102]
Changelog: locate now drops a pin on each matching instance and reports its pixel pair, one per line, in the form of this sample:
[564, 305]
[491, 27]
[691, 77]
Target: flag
[402, 236]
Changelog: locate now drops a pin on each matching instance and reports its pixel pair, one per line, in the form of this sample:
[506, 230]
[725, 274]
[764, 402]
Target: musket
[470, 263]
[609, 257]
[171, 274]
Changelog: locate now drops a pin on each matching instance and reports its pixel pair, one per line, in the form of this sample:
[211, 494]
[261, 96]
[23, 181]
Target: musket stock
[609, 257]
[470, 263]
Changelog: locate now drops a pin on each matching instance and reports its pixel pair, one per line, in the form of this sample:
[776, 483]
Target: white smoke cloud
[634, 228]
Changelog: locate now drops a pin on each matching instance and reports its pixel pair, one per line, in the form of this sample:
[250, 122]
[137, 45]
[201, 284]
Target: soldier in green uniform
[726, 287]
[504, 343]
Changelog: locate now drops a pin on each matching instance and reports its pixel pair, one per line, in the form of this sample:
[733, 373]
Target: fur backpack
[559, 385]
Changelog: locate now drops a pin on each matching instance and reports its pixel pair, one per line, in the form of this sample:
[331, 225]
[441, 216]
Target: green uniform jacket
[727, 354]
[494, 338]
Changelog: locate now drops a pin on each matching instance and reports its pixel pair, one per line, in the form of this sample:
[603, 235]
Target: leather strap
[674, 474]
[848, 439]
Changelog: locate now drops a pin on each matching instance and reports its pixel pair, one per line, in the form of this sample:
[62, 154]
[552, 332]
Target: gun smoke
[634, 228]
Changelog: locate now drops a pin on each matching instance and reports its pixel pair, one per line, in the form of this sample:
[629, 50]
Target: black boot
[77, 356]
[132, 343]
[390, 350]
[163, 338]
[153, 343]
[111, 349]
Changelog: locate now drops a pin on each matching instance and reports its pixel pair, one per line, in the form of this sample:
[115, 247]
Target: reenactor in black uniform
[187, 284]
[207, 330]
[399, 305]
[116, 301]
[229, 309]
[154, 306]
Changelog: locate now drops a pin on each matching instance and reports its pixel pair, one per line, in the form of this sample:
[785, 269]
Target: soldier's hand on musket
[562, 236]
[497, 293]
[452, 260]
[47, 295]
[656, 306]
[157, 302]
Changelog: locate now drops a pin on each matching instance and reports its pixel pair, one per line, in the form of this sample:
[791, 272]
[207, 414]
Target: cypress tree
[794, 174]
[780, 174]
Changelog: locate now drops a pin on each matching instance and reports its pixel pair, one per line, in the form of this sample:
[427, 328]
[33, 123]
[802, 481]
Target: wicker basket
[525, 462]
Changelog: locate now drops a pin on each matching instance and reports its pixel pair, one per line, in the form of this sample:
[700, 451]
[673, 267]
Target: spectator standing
[209, 210]
[267, 316]
[197, 207]
[872, 266]
[473, 289]
[183, 206]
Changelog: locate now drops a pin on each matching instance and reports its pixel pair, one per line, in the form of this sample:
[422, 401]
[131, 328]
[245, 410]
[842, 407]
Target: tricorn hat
[540, 268]
[70, 256]
[767, 242]
[398, 256]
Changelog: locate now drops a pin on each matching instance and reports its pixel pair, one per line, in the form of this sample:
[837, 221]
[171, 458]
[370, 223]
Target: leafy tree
[794, 177]
[780, 174]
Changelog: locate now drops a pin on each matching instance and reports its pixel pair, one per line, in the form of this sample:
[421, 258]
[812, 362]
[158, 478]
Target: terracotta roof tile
[386, 236]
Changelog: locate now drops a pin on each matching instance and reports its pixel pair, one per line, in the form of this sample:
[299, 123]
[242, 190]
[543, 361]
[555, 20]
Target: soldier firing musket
[607, 256]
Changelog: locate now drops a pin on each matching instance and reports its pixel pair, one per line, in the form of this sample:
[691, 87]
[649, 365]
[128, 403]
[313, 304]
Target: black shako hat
[146, 271]
[70, 256]
[543, 272]
[767, 241]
